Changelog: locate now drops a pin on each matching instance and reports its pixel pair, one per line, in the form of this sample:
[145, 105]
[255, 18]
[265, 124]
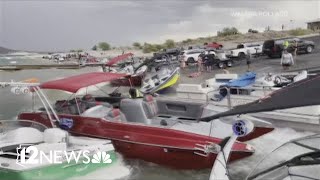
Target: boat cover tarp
[244, 80]
[74, 83]
[302, 93]
[118, 59]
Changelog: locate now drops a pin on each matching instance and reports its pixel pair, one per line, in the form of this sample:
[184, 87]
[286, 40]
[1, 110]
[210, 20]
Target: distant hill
[5, 50]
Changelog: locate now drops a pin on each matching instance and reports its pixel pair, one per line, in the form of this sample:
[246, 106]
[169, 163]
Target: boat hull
[171, 157]
[164, 146]
[168, 83]
[257, 132]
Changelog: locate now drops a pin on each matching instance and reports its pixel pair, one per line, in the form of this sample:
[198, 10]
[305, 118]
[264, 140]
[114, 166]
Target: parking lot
[260, 65]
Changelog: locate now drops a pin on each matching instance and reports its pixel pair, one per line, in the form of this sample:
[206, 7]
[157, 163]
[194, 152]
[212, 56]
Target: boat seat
[23, 135]
[87, 102]
[133, 111]
[73, 109]
[61, 106]
[150, 106]
[98, 111]
[115, 115]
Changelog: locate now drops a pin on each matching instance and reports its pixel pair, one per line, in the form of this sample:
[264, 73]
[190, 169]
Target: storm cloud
[63, 25]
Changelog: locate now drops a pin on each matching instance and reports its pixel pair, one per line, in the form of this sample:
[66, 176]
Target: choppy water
[12, 104]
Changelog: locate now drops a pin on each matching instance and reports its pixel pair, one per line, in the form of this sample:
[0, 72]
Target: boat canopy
[74, 83]
[118, 58]
[244, 80]
[302, 93]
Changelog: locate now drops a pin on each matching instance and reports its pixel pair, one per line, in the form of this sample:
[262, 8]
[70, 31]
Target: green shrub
[298, 32]
[169, 44]
[104, 46]
[148, 48]
[137, 45]
[187, 41]
[228, 31]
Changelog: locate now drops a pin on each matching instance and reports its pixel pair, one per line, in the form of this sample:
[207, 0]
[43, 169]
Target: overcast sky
[62, 25]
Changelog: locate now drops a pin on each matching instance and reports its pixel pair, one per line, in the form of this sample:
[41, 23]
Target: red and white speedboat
[134, 72]
[156, 130]
[133, 78]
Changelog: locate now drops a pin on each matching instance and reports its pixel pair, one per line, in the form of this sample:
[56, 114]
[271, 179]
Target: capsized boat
[296, 159]
[30, 150]
[144, 128]
[163, 77]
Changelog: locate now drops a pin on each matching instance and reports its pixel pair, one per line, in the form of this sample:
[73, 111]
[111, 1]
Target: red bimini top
[118, 58]
[74, 83]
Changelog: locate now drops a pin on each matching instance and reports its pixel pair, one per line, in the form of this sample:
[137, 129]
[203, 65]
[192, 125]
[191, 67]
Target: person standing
[182, 63]
[211, 61]
[200, 62]
[248, 59]
[286, 60]
[206, 62]
[295, 48]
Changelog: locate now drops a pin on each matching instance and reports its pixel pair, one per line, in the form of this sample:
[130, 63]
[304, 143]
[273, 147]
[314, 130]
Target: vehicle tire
[229, 63]
[241, 55]
[190, 60]
[221, 65]
[309, 49]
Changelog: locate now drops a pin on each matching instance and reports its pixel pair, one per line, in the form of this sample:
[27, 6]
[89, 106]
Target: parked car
[172, 53]
[253, 31]
[190, 56]
[241, 51]
[214, 45]
[274, 47]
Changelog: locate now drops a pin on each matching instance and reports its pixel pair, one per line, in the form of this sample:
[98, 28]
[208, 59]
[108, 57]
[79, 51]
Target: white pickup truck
[241, 50]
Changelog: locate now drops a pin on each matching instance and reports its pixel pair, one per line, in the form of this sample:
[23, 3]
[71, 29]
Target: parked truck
[241, 51]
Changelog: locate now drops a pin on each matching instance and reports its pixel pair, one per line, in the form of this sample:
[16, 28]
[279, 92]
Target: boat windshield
[8, 125]
[290, 159]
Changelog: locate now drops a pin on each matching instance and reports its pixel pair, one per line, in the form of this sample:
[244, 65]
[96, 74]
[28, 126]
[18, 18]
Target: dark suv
[274, 48]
